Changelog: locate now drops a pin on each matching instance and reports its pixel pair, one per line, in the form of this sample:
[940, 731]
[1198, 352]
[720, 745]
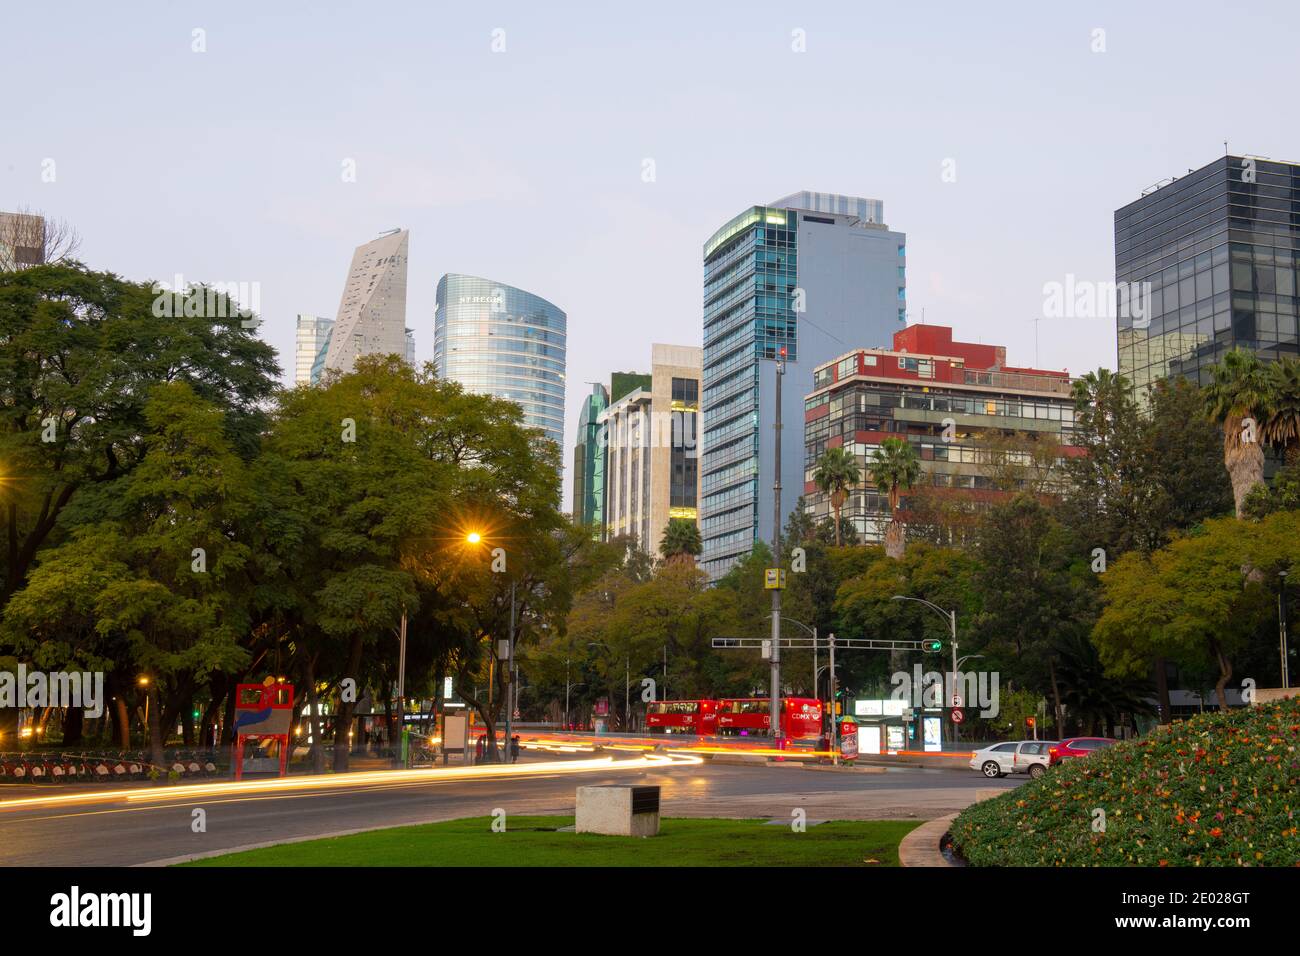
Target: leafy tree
[836, 472]
[79, 352]
[1191, 602]
[894, 468]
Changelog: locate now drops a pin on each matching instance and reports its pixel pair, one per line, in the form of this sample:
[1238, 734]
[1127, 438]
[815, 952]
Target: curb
[921, 846]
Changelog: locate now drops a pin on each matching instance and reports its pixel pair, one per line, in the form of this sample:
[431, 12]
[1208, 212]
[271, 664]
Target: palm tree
[681, 541]
[894, 468]
[837, 471]
[1092, 698]
[1283, 426]
[1241, 399]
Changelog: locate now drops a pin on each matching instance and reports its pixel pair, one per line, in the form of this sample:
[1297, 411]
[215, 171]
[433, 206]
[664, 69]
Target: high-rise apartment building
[498, 340]
[815, 274]
[1216, 255]
[652, 452]
[372, 313]
[982, 429]
[311, 343]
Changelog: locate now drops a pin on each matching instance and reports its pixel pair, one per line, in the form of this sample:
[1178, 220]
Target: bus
[801, 717]
[698, 717]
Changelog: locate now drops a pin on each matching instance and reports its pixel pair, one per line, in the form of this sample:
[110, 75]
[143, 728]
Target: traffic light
[1029, 721]
[932, 647]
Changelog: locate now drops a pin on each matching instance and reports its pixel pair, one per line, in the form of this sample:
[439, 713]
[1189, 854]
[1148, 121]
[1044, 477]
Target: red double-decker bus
[698, 717]
[801, 717]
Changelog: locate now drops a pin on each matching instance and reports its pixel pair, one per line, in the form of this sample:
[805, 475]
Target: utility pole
[952, 621]
[401, 690]
[1281, 616]
[509, 672]
[835, 724]
[776, 556]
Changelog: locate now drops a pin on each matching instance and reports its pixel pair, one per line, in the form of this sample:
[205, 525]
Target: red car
[1077, 747]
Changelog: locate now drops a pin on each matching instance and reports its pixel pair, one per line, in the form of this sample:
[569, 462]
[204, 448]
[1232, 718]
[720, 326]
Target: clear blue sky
[525, 166]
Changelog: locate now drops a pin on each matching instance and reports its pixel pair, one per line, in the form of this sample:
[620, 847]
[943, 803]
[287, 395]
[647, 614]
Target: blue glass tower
[498, 340]
[813, 273]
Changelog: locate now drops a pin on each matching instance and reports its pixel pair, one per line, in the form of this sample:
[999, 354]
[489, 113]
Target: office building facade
[22, 240]
[1218, 252]
[953, 401]
[652, 453]
[310, 346]
[498, 340]
[372, 312]
[813, 274]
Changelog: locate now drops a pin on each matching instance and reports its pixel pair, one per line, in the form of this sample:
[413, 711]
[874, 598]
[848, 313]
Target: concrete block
[618, 811]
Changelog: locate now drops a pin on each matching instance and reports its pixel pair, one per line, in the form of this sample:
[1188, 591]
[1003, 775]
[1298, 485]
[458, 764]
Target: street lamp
[474, 537]
[1281, 617]
[951, 617]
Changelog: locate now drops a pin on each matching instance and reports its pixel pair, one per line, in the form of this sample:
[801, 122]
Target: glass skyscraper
[589, 462]
[498, 340]
[815, 274]
[1220, 249]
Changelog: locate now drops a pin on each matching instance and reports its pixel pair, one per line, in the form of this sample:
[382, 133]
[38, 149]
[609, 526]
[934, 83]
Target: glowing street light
[473, 537]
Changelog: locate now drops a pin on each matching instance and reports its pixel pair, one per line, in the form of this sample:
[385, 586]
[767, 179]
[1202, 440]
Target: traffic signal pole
[776, 558]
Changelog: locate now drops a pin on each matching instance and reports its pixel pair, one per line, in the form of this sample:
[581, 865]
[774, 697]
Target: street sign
[774, 579]
[957, 715]
[956, 700]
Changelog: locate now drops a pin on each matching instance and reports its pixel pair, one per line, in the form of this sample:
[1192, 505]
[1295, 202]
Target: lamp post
[951, 617]
[474, 537]
[1281, 618]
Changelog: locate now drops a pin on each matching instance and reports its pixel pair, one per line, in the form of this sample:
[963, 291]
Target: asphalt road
[123, 833]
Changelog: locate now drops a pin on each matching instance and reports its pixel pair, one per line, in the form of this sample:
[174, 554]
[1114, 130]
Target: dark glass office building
[1220, 248]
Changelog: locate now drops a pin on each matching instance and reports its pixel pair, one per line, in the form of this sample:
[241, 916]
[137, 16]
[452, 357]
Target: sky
[512, 140]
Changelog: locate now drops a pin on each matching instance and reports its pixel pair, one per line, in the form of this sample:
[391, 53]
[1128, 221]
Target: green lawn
[533, 841]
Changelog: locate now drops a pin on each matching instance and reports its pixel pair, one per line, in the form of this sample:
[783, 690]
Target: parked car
[1015, 756]
[1079, 747]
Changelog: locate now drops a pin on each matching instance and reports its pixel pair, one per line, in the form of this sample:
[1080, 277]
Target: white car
[1015, 756]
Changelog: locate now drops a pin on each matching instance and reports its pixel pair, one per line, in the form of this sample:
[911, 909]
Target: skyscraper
[817, 274]
[372, 312]
[589, 462]
[1218, 252]
[410, 347]
[498, 340]
[652, 449]
[312, 339]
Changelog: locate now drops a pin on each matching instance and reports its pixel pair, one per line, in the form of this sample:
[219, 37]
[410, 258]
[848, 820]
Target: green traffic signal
[933, 647]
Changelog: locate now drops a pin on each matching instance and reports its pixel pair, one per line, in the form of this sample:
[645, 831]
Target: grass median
[538, 841]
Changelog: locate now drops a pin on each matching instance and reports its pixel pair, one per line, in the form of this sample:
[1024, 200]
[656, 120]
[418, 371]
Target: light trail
[344, 781]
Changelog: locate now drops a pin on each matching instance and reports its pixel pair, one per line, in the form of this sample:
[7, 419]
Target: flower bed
[1216, 790]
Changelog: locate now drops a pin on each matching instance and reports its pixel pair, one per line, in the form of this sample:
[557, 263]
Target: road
[128, 828]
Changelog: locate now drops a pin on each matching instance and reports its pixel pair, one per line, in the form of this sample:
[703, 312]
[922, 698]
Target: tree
[1191, 602]
[681, 541]
[1242, 400]
[836, 471]
[1283, 426]
[79, 352]
[894, 468]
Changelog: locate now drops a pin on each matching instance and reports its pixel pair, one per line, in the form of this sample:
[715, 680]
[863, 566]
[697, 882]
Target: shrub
[1216, 790]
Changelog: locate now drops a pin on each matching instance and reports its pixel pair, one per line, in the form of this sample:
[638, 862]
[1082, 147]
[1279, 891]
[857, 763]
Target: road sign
[774, 579]
[957, 715]
[956, 700]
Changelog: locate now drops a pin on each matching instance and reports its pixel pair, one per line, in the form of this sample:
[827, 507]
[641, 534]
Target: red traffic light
[1029, 721]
